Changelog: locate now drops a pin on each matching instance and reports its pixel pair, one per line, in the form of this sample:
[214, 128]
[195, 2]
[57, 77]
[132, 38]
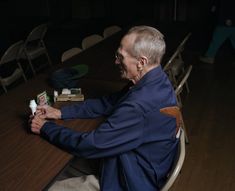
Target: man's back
[145, 161]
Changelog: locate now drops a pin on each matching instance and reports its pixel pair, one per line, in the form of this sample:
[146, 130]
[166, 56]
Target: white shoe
[208, 60]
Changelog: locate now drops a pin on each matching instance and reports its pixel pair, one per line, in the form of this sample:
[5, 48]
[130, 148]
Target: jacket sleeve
[92, 108]
[121, 132]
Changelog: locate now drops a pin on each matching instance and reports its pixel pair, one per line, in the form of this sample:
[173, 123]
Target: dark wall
[18, 17]
[123, 10]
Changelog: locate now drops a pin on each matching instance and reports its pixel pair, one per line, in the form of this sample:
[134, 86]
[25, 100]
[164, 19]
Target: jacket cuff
[47, 128]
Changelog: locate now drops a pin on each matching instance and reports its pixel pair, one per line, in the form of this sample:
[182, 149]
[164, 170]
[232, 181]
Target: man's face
[126, 62]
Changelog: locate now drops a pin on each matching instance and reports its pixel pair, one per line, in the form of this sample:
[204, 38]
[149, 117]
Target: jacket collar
[155, 74]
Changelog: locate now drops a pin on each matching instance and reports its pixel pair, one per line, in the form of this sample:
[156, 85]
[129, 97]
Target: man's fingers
[41, 111]
[35, 130]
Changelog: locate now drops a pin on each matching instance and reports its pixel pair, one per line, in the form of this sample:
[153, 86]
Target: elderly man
[136, 142]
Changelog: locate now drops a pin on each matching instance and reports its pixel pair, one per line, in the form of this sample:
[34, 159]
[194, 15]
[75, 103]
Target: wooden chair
[11, 56]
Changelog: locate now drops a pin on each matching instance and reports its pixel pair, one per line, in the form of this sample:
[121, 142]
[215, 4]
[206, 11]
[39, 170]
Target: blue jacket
[136, 142]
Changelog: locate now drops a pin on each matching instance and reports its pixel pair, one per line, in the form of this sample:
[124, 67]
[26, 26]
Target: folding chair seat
[68, 76]
[70, 53]
[82, 69]
[91, 40]
[108, 31]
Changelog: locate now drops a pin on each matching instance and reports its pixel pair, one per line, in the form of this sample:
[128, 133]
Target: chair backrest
[34, 47]
[70, 53]
[91, 40]
[172, 58]
[13, 72]
[177, 53]
[178, 163]
[37, 33]
[183, 80]
[12, 53]
[183, 42]
[108, 31]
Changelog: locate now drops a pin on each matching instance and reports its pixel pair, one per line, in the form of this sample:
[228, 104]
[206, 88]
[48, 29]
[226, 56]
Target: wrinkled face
[126, 62]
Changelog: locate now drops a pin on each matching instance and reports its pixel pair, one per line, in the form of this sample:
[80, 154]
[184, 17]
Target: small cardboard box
[70, 97]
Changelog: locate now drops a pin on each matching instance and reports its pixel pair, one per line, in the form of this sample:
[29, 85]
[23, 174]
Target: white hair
[148, 42]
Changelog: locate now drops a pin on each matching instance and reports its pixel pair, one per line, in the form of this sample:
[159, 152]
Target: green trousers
[220, 34]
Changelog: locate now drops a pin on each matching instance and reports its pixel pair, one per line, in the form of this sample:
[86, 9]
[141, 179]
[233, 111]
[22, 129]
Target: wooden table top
[28, 162]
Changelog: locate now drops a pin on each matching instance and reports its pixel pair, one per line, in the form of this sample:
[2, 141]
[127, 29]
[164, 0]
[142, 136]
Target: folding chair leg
[4, 88]
[187, 87]
[48, 58]
[185, 132]
[32, 68]
[25, 79]
[179, 101]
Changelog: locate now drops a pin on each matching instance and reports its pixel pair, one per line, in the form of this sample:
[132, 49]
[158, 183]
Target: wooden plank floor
[210, 118]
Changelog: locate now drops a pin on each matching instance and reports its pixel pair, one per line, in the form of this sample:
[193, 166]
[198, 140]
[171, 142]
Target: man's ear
[142, 61]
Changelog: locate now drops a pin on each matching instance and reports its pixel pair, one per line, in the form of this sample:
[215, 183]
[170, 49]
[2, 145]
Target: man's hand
[48, 112]
[36, 123]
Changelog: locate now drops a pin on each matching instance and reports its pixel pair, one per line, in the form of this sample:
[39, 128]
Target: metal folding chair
[34, 46]
[11, 56]
[108, 31]
[91, 40]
